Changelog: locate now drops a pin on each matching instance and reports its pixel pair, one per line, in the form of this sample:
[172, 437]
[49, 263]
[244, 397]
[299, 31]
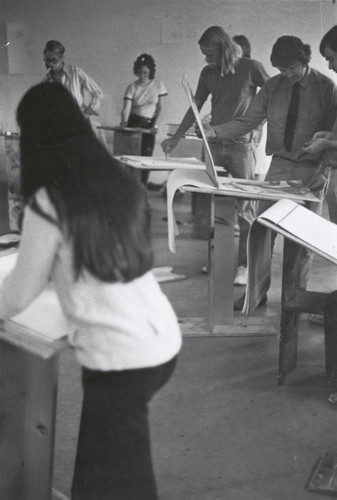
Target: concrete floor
[222, 428]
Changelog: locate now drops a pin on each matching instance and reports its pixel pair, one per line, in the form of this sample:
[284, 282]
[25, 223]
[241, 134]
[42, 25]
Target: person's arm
[39, 243]
[320, 144]
[127, 103]
[200, 98]
[162, 92]
[259, 74]
[157, 112]
[255, 115]
[96, 94]
[331, 108]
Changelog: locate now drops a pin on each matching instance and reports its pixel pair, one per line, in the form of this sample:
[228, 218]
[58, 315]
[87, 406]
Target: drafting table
[28, 396]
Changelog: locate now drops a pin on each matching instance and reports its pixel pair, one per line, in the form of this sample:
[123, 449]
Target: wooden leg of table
[289, 319]
[221, 262]
[28, 395]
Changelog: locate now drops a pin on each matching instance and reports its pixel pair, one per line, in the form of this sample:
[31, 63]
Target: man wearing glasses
[83, 88]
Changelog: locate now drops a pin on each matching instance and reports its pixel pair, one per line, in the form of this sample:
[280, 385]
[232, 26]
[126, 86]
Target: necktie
[292, 117]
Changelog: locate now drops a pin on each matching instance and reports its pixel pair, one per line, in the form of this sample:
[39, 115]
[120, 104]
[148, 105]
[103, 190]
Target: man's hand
[316, 146]
[168, 145]
[208, 129]
[317, 182]
[323, 134]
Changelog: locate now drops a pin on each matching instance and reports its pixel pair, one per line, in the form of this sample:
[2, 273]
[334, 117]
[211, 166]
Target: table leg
[28, 395]
[221, 320]
[221, 261]
[289, 319]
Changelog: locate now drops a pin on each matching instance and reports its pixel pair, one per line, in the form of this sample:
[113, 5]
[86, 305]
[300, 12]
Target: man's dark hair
[244, 43]
[289, 49]
[54, 46]
[329, 40]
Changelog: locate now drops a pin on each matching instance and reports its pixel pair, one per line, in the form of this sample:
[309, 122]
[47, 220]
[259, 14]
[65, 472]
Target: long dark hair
[102, 210]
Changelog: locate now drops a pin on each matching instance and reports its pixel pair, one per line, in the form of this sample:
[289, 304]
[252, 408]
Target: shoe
[332, 399]
[204, 270]
[318, 319]
[241, 276]
[57, 495]
[238, 304]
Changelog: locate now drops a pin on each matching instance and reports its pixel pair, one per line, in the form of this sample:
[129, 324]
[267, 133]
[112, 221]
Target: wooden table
[294, 301]
[125, 141]
[221, 319]
[28, 396]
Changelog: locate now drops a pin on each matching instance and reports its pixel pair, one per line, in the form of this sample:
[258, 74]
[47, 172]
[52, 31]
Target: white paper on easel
[210, 167]
[298, 224]
[302, 226]
[44, 315]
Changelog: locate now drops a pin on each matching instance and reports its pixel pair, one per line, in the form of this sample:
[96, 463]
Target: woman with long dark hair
[86, 227]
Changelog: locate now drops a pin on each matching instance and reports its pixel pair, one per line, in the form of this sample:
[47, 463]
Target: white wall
[104, 37]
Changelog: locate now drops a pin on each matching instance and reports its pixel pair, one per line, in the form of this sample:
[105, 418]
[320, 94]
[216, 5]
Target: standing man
[232, 82]
[83, 88]
[326, 142]
[296, 103]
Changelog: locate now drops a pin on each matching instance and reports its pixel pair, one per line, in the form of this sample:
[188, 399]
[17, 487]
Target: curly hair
[145, 60]
[289, 49]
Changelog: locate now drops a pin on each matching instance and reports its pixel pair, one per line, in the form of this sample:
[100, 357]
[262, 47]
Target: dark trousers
[330, 331]
[148, 140]
[113, 459]
[281, 169]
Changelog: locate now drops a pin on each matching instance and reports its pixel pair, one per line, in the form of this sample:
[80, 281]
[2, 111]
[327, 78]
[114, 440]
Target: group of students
[300, 108]
[94, 243]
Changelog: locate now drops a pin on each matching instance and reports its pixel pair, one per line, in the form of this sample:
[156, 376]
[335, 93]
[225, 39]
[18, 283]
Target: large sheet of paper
[303, 226]
[239, 188]
[294, 222]
[210, 168]
[160, 163]
[44, 315]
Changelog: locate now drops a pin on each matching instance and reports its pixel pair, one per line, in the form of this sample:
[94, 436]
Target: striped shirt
[81, 86]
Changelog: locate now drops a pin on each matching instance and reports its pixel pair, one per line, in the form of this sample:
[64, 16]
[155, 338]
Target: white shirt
[145, 98]
[117, 326]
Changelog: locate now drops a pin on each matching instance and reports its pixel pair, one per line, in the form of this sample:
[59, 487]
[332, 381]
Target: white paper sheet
[304, 227]
[44, 315]
[176, 180]
[160, 163]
